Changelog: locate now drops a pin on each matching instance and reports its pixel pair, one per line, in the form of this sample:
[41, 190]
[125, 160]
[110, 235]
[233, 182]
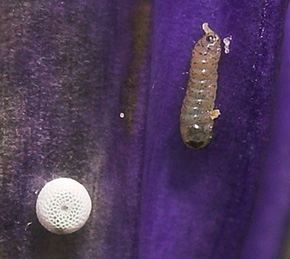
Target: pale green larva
[63, 206]
[197, 112]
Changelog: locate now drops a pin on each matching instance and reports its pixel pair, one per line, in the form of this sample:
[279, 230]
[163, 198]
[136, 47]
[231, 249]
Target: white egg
[63, 206]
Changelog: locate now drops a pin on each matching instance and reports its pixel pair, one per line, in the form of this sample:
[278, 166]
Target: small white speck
[122, 115]
[196, 126]
[27, 225]
[153, 86]
[227, 42]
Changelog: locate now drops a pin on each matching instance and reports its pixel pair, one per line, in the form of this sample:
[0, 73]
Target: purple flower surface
[273, 202]
[70, 68]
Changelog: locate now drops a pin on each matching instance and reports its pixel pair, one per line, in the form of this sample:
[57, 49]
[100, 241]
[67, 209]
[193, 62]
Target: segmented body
[197, 112]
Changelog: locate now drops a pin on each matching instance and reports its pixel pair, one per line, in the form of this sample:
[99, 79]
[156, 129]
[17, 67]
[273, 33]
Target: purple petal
[64, 65]
[199, 204]
[272, 205]
[70, 69]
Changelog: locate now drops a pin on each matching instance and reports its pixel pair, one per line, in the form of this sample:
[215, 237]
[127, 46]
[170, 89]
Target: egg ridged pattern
[63, 206]
[196, 122]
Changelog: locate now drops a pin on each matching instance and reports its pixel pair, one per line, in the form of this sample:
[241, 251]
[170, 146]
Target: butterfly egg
[63, 206]
[197, 112]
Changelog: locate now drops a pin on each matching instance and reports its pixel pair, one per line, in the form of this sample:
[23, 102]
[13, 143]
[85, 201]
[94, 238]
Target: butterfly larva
[197, 112]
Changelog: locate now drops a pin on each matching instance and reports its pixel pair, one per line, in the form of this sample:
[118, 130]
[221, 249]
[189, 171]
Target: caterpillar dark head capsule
[197, 112]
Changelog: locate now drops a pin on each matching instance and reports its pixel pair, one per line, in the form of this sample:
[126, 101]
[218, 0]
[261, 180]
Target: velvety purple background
[68, 69]
[269, 225]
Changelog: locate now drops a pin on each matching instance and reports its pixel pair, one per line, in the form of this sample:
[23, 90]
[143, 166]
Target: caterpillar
[197, 111]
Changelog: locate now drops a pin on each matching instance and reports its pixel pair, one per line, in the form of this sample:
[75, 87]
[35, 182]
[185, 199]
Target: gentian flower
[92, 90]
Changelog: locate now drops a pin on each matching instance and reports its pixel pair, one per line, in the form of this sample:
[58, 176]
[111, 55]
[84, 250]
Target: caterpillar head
[210, 39]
